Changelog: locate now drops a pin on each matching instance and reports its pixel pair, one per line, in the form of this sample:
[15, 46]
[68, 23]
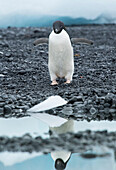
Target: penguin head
[58, 26]
[59, 164]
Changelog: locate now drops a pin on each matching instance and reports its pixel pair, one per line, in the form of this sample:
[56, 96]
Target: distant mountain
[102, 19]
[20, 20]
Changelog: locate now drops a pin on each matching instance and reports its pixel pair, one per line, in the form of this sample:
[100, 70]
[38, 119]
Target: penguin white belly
[61, 63]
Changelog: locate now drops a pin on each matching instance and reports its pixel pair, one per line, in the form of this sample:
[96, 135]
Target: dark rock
[93, 110]
[1, 99]
[5, 45]
[12, 97]
[2, 104]
[1, 111]
[10, 59]
[8, 54]
[67, 110]
[7, 110]
[112, 111]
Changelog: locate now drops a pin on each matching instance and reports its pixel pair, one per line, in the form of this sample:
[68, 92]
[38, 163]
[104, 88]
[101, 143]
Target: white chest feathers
[61, 63]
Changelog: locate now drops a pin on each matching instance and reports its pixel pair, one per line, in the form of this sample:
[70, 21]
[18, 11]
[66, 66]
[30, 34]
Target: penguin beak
[56, 30]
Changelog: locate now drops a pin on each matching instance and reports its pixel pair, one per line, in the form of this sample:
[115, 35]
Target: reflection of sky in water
[76, 162]
[35, 127]
[18, 127]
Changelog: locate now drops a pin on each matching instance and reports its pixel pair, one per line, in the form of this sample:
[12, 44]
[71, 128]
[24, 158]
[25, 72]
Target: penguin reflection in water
[61, 60]
[61, 157]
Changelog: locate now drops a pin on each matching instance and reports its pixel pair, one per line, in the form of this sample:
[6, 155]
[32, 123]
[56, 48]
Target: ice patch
[51, 102]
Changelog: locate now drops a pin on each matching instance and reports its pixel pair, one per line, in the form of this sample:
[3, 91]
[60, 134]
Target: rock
[10, 59]
[73, 99]
[7, 110]
[1, 111]
[93, 110]
[2, 104]
[22, 72]
[1, 99]
[8, 54]
[1, 53]
[67, 110]
[112, 111]
[5, 96]
[12, 97]
[5, 44]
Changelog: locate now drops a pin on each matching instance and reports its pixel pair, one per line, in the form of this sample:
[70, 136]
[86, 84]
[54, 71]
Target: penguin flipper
[81, 40]
[40, 41]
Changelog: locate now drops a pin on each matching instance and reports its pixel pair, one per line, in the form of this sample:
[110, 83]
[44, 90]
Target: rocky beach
[25, 81]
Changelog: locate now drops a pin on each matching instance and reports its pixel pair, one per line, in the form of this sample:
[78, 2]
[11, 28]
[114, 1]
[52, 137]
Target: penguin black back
[58, 26]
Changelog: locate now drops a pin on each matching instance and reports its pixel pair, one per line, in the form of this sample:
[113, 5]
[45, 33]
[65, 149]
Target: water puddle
[42, 123]
[41, 127]
[34, 161]
[47, 127]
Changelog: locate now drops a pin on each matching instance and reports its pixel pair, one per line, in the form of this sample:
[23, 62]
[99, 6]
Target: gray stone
[93, 110]
[7, 110]
[1, 111]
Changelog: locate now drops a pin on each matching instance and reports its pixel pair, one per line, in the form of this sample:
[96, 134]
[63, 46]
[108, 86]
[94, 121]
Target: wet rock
[5, 44]
[8, 54]
[7, 110]
[112, 111]
[27, 137]
[1, 111]
[1, 99]
[93, 110]
[10, 59]
[12, 97]
[2, 104]
[76, 142]
[73, 99]
[22, 72]
[67, 110]
[5, 96]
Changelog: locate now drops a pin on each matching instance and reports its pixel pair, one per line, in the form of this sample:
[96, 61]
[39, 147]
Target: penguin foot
[54, 82]
[67, 82]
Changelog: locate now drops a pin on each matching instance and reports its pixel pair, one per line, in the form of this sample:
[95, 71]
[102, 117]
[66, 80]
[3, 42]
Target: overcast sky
[74, 8]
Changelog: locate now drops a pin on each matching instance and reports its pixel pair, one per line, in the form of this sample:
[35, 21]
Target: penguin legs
[54, 82]
[67, 82]
[53, 78]
[68, 78]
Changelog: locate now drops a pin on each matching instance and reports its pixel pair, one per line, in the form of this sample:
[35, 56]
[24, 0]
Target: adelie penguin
[61, 55]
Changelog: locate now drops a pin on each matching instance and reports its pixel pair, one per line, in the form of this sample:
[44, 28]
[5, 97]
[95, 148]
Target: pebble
[7, 110]
[2, 104]
[8, 54]
[1, 52]
[2, 75]
[12, 97]
[1, 111]
[112, 111]
[67, 111]
[93, 110]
